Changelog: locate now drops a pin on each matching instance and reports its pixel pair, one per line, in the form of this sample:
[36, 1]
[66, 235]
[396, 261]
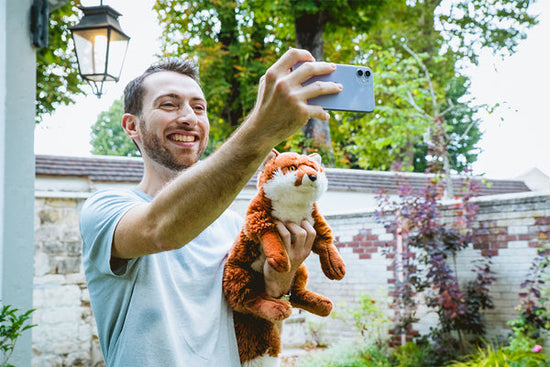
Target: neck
[155, 177]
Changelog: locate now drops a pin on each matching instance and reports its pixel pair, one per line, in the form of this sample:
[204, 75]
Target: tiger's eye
[292, 168]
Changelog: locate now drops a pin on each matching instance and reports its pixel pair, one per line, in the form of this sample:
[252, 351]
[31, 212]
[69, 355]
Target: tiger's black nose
[312, 177]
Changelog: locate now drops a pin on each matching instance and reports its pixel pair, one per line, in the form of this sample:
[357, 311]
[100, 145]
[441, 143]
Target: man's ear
[130, 126]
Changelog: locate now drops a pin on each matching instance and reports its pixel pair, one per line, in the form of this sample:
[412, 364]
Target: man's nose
[187, 116]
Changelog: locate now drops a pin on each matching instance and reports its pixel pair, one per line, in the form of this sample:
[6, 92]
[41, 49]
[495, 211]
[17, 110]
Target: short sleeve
[100, 215]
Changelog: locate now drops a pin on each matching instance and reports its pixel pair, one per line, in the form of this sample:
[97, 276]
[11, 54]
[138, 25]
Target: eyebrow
[178, 97]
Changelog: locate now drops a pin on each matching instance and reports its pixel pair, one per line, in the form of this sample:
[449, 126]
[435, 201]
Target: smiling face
[173, 125]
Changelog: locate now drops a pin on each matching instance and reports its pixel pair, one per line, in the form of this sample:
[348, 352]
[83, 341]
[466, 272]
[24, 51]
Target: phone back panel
[358, 92]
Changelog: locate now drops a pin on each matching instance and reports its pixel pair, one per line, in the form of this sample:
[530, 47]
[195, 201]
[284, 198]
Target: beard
[154, 149]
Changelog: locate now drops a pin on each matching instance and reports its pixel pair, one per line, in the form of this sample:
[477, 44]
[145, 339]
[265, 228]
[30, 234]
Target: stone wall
[65, 333]
[508, 228]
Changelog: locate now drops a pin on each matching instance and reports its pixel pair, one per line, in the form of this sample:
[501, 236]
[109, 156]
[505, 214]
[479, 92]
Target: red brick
[489, 252]
[481, 245]
[542, 220]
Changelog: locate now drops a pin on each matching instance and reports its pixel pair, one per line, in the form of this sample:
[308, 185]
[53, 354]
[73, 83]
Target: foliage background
[236, 41]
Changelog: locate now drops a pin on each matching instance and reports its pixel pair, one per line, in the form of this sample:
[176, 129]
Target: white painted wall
[17, 114]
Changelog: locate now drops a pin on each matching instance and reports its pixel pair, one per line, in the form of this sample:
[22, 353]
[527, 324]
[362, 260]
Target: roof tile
[130, 169]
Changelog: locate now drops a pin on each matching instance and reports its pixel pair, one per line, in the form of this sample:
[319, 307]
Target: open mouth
[180, 138]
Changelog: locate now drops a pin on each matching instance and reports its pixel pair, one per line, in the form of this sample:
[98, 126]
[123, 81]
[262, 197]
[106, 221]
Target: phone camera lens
[367, 73]
[360, 72]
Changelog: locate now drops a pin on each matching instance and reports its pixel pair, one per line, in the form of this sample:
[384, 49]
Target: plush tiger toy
[288, 188]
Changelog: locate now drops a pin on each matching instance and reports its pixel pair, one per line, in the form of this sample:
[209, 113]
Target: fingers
[308, 70]
[291, 58]
[285, 234]
[310, 235]
[282, 105]
[297, 239]
[305, 72]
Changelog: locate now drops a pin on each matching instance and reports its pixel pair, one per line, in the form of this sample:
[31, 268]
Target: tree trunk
[309, 35]
[228, 36]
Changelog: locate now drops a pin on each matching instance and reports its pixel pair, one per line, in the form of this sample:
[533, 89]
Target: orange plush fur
[287, 190]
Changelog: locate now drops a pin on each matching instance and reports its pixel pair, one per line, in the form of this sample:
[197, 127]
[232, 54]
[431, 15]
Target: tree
[236, 40]
[108, 137]
[57, 80]
[310, 18]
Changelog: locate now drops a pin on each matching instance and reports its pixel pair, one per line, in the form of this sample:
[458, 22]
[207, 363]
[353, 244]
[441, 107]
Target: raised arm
[194, 199]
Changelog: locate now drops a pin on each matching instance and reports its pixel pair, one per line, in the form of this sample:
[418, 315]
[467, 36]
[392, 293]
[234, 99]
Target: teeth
[183, 138]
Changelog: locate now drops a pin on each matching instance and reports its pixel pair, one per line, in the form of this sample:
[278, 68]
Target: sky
[516, 135]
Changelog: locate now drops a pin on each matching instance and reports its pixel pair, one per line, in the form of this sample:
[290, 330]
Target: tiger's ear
[316, 157]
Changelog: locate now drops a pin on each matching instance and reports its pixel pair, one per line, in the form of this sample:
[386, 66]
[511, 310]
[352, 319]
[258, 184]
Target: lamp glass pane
[117, 53]
[91, 48]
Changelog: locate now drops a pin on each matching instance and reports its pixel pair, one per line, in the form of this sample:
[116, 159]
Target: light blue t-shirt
[166, 309]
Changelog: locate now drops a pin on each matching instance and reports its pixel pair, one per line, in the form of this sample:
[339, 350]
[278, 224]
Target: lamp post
[100, 46]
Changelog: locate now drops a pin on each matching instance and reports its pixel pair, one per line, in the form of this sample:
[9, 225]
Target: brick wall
[509, 228]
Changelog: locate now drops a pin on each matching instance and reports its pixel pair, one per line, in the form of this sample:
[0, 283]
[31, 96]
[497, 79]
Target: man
[153, 256]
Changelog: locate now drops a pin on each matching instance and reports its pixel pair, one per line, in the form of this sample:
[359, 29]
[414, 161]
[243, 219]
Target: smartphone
[358, 92]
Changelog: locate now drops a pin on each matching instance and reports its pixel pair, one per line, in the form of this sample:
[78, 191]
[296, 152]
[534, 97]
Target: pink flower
[537, 348]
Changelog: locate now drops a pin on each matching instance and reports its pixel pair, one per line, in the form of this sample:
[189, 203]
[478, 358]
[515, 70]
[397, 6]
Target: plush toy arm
[331, 262]
[260, 224]
[305, 299]
[244, 291]
[275, 252]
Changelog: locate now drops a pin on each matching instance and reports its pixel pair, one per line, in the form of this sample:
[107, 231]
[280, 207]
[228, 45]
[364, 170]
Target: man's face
[173, 126]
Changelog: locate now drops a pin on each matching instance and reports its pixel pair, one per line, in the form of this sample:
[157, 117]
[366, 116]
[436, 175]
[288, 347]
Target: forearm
[193, 200]
[199, 195]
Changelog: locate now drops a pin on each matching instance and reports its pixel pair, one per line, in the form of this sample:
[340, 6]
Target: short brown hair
[134, 91]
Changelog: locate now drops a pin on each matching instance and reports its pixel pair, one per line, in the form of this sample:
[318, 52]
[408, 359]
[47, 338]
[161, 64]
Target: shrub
[12, 325]
[411, 355]
[490, 355]
[368, 316]
[346, 354]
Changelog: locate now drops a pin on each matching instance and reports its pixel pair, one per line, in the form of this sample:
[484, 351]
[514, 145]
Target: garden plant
[12, 324]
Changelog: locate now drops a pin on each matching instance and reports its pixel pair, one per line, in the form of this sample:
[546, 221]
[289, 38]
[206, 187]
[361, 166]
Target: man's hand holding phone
[358, 88]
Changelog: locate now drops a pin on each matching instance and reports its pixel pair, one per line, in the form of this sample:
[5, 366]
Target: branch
[451, 107]
[416, 107]
[427, 74]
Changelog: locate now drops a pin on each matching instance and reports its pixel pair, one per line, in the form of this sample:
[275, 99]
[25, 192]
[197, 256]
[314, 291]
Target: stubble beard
[154, 149]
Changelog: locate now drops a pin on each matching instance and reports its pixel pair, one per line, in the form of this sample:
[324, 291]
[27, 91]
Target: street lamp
[100, 46]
